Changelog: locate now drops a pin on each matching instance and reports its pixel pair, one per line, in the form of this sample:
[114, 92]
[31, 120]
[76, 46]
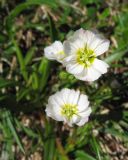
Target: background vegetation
[27, 79]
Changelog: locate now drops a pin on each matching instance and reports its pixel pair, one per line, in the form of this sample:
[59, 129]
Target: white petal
[74, 68]
[69, 59]
[73, 97]
[86, 112]
[56, 100]
[55, 51]
[65, 94]
[72, 46]
[95, 42]
[79, 33]
[85, 35]
[88, 37]
[81, 74]
[92, 75]
[102, 47]
[53, 112]
[74, 119]
[67, 47]
[100, 66]
[83, 102]
[57, 46]
[49, 52]
[76, 35]
[78, 43]
[82, 121]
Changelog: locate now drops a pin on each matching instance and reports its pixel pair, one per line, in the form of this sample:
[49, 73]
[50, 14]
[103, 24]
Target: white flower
[69, 106]
[55, 51]
[81, 52]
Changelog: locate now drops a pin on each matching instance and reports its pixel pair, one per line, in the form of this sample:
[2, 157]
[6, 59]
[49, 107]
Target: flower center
[85, 56]
[61, 52]
[68, 110]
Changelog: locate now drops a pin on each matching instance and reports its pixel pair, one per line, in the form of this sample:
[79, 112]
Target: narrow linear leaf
[29, 55]
[7, 83]
[44, 72]
[23, 6]
[49, 146]
[53, 30]
[114, 132]
[116, 56]
[95, 147]
[21, 60]
[13, 130]
[27, 130]
[81, 155]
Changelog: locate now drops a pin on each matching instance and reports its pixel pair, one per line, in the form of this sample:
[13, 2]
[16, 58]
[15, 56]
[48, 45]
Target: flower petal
[73, 97]
[102, 47]
[81, 74]
[55, 51]
[57, 46]
[74, 68]
[69, 59]
[86, 112]
[83, 102]
[53, 112]
[72, 46]
[100, 66]
[49, 53]
[82, 121]
[92, 75]
[56, 99]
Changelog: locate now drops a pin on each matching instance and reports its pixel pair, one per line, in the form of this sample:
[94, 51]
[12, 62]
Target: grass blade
[13, 130]
[23, 6]
[21, 60]
[116, 56]
[81, 155]
[95, 147]
[29, 55]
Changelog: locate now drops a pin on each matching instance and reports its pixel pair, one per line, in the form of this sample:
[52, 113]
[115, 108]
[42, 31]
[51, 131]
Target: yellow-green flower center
[69, 110]
[61, 52]
[85, 56]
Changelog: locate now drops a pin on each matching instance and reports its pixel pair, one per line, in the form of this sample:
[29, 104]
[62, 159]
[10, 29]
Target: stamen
[85, 56]
[68, 110]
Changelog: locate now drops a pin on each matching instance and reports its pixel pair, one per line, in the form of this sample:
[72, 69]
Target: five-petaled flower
[81, 51]
[69, 106]
[55, 51]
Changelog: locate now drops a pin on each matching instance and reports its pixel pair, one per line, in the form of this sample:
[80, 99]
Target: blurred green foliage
[27, 79]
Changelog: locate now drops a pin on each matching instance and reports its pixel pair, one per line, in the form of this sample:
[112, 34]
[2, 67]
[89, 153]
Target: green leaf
[7, 83]
[13, 130]
[2, 38]
[104, 14]
[115, 132]
[39, 27]
[81, 155]
[22, 93]
[27, 130]
[29, 55]
[44, 72]
[15, 12]
[53, 30]
[21, 60]
[116, 56]
[45, 64]
[49, 145]
[95, 147]
[35, 80]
